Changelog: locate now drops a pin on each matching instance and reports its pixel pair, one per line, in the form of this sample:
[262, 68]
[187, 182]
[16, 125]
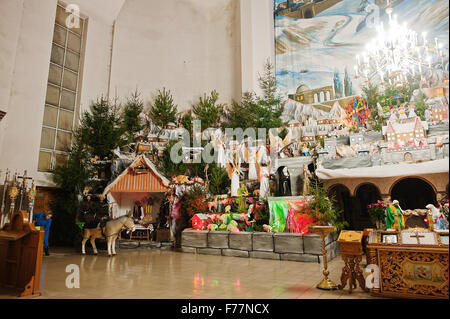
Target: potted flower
[377, 213]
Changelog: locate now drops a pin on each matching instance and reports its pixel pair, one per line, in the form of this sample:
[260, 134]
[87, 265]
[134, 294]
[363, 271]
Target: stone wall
[278, 246]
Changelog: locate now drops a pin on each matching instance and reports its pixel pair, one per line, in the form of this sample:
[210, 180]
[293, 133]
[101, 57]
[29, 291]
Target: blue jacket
[41, 221]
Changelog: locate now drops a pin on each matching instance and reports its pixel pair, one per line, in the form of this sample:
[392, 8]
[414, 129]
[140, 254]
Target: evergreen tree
[71, 178]
[208, 111]
[131, 122]
[163, 110]
[101, 129]
[186, 121]
[338, 90]
[218, 179]
[169, 168]
[420, 107]
[241, 115]
[348, 84]
[268, 110]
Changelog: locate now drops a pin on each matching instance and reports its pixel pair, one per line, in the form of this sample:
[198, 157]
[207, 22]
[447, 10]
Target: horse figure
[111, 231]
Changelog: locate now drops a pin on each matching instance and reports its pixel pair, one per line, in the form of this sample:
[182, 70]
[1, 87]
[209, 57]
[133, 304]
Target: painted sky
[309, 51]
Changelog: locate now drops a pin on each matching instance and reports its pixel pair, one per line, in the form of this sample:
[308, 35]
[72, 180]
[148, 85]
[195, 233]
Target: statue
[262, 170]
[306, 175]
[435, 219]
[241, 200]
[394, 217]
[305, 149]
[285, 183]
[218, 141]
[233, 168]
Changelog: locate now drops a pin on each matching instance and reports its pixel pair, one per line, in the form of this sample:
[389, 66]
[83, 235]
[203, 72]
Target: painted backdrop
[317, 41]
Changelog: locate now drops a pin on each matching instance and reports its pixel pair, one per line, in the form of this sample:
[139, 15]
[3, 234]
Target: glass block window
[61, 101]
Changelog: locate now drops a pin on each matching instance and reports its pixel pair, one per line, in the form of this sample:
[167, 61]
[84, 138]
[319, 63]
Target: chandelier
[398, 53]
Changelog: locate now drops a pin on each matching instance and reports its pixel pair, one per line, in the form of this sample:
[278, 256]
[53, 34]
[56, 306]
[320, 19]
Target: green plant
[130, 116]
[377, 212]
[167, 167]
[420, 106]
[208, 111]
[71, 177]
[262, 217]
[163, 110]
[241, 114]
[101, 129]
[323, 207]
[218, 179]
[268, 110]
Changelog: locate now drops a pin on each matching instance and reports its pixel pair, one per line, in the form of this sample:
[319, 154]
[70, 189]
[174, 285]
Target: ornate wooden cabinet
[411, 264]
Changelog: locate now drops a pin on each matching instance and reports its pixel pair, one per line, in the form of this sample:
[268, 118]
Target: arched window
[316, 100]
[328, 96]
[322, 96]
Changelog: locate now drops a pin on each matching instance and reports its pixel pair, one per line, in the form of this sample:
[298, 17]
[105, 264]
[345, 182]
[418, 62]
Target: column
[257, 40]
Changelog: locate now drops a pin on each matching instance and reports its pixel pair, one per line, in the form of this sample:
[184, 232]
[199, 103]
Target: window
[63, 91]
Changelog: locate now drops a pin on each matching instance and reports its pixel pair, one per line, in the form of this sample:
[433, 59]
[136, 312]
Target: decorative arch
[365, 183]
[366, 194]
[334, 186]
[418, 177]
[344, 201]
[413, 192]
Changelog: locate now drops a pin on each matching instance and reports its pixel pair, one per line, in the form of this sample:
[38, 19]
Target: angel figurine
[218, 142]
[262, 169]
[233, 169]
[249, 155]
[277, 144]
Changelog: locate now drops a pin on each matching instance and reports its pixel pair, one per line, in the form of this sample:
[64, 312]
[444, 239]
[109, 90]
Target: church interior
[226, 149]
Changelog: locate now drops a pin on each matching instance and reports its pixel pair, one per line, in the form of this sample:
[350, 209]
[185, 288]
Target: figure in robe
[285, 183]
[262, 170]
[435, 219]
[251, 159]
[233, 169]
[44, 220]
[241, 200]
[394, 217]
[306, 174]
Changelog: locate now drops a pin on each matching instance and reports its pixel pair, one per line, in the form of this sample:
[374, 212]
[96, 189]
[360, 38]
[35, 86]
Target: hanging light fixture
[397, 53]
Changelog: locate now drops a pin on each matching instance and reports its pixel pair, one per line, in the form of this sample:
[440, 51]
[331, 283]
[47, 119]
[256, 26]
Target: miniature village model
[309, 168]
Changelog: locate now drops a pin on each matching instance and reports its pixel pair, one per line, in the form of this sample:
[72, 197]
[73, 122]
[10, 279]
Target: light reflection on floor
[155, 273]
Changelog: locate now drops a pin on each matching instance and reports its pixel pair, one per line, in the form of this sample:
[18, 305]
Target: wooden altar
[412, 264]
[21, 246]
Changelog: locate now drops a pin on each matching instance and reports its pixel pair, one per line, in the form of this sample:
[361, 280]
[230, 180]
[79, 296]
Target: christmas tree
[208, 111]
[163, 110]
[101, 129]
[131, 122]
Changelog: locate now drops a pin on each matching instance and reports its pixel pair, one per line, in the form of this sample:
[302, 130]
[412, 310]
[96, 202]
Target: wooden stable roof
[140, 177]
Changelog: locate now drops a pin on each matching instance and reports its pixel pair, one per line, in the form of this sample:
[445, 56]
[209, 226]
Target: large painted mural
[317, 41]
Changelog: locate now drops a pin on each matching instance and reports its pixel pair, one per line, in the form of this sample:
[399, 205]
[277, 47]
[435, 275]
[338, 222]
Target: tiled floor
[156, 273]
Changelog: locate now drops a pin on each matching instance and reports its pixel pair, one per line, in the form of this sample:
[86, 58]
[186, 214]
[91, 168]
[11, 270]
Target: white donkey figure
[111, 231]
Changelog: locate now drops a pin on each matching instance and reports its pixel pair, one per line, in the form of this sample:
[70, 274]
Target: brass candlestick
[323, 231]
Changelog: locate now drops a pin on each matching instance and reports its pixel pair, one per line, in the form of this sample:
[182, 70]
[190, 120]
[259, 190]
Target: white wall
[26, 34]
[257, 41]
[21, 132]
[188, 46]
